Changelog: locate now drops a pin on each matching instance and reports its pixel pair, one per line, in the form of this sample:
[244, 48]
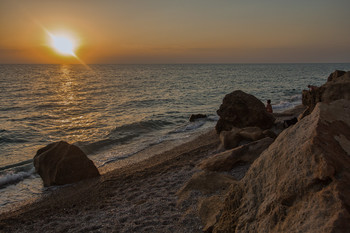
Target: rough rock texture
[207, 191]
[61, 163]
[337, 87]
[335, 75]
[230, 139]
[227, 160]
[301, 183]
[208, 187]
[239, 109]
[251, 133]
[206, 182]
[233, 138]
[209, 210]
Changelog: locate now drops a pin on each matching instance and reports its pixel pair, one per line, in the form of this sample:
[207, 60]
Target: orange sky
[191, 31]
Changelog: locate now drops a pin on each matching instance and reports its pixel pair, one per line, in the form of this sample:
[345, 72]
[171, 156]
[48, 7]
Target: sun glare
[63, 44]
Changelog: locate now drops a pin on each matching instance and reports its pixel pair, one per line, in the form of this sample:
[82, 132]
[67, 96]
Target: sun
[63, 44]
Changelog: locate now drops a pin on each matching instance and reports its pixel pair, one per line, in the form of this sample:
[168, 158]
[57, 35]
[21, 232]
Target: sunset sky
[177, 31]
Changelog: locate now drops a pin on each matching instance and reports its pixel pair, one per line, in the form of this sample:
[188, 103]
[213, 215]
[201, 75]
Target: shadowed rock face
[61, 163]
[301, 183]
[337, 87]
[239, 109]
[335, 75]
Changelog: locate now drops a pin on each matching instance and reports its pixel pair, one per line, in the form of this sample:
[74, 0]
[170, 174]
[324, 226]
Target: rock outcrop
[61, 163]
[335, 75]
[209, 186]
[337, 87]
[233, 138]
[301, 183]
[226, 161]
[239, 109]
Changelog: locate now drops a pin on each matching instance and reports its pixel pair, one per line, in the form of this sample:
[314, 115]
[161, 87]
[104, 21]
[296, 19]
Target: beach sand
[139, 197]
[136, 196]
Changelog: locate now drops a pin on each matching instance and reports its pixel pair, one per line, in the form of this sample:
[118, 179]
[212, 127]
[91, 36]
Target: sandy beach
[140, 197]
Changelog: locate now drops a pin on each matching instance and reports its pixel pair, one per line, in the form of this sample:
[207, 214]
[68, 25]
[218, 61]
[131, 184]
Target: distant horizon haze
[176, 32]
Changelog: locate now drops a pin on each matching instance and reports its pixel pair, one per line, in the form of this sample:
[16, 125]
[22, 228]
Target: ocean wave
[141, 126]
[20, 166]
[123, 134]
[287, 104]
[143, 103]
[12, 140]
[188, 127]
[15, 177]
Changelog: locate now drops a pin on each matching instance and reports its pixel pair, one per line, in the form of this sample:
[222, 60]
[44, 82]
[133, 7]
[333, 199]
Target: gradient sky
[178, 31]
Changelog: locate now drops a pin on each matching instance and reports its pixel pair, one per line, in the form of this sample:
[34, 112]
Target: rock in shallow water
[61, 163]
[194, 117]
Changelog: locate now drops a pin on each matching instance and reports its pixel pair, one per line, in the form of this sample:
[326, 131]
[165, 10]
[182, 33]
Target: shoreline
[135, 196]
[139, 197]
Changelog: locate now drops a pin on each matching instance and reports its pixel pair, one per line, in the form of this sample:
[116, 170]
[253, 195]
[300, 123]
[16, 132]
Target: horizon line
[178, 63]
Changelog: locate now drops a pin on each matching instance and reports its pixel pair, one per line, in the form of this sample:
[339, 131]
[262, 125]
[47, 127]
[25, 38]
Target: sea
[114, 112]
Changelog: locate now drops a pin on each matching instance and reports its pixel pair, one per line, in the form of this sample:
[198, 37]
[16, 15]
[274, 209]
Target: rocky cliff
[301, 183]
[337, 87]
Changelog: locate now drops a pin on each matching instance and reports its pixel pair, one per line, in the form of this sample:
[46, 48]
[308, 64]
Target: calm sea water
[114, 111]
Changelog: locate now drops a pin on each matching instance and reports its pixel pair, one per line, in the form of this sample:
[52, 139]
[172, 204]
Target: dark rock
[335, 75]
[194, 117]
[338, 87]
[269, 133]
[290, 122]
[239, 109]
[61, 163]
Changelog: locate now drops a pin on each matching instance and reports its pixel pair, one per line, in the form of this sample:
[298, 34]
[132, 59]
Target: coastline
[134, 196]
[138, 197]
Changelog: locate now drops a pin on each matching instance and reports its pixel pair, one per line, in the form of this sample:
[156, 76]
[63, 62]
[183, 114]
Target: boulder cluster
[293, 180]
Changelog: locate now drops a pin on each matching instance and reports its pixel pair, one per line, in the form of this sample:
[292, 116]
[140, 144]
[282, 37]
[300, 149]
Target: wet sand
[140, 197]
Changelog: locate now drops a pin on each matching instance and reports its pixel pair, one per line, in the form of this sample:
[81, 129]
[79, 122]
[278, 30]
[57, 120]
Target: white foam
[11, 178]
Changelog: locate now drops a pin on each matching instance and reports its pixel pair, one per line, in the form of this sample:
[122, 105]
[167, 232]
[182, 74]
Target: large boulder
[337, 87]
[62, 163]
[239, 109]
[301, 183]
